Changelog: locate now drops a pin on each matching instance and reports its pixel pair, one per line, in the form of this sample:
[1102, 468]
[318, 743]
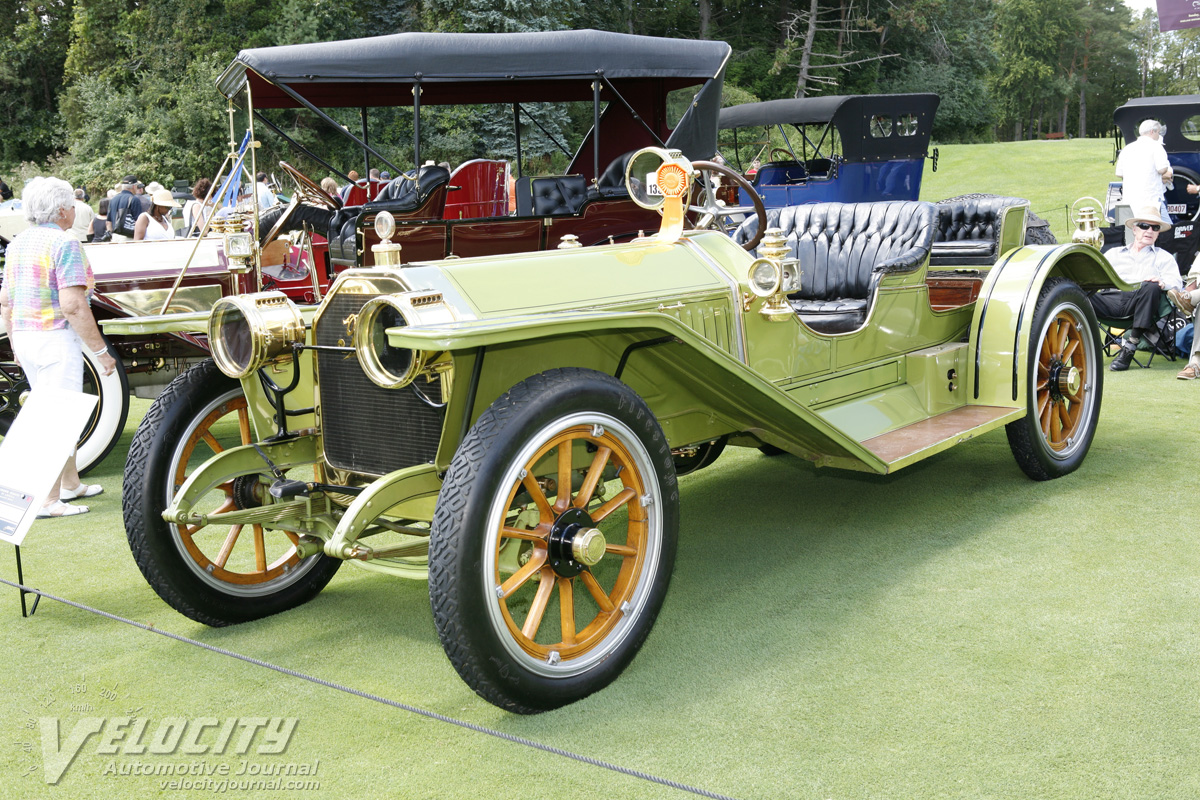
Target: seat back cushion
[840, 245]
[560, 194]
[968, 229]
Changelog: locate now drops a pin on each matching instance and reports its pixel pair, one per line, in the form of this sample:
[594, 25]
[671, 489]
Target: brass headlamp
[239, 242]
[249, 331]
[773, 277]
[385, 364]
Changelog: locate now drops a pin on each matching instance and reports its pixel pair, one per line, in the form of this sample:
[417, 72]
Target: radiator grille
[369, 429]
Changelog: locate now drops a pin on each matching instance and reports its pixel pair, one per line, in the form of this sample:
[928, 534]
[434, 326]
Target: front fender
[1001, 325]
[687, 381]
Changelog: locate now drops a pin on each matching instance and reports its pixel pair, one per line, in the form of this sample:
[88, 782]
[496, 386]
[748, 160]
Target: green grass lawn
[1050, 174]
[954, 630]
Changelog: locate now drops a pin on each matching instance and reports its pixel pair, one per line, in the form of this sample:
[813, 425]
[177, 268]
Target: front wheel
[215, 573]
[553, 540]
[1065, 380]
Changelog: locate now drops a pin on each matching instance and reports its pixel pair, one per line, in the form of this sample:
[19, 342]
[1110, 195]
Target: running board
[917, 441]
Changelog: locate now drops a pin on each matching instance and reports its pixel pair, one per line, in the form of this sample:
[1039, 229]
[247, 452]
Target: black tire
[1037, 230]
[469, 558]
[1069, 388]
[705, 455]
[317, 218]
[204, 398]
[107, 421]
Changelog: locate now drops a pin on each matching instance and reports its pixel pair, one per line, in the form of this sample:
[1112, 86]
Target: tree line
[94, 89]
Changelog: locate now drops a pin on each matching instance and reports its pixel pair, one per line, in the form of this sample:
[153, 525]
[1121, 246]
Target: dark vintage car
[1180, 117]
[636, 90]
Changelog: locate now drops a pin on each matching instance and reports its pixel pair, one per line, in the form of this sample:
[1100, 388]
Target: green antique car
[510, 428]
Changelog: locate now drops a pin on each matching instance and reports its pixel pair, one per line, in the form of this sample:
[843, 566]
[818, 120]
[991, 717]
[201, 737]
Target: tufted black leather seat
[402, 196]
[844, 249]
[968, 230]
[557, 195]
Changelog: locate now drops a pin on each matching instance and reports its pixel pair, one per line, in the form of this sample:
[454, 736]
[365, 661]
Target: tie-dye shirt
[38, 263]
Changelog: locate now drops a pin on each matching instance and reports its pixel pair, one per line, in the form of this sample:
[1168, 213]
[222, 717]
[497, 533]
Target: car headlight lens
[764, 277]
[249, 331]
[239, 245]
[386, 366]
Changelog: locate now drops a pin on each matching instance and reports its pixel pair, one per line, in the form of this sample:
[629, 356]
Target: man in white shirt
[82, 227]
[266, 198]
[1152, 270]
[1144, 170]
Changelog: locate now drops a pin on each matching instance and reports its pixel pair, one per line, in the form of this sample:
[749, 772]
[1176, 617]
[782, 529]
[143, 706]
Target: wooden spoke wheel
[710, 210]
[1064, 384]
[553, 540]
[215, 573]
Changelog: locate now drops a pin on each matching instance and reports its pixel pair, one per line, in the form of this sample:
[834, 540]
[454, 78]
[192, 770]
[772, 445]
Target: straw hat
[1149, 214]
[163, 198]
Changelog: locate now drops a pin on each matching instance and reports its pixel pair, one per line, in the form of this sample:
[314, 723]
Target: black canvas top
[816, 110]
[852, 115]
[381, 70]
[1180, 114]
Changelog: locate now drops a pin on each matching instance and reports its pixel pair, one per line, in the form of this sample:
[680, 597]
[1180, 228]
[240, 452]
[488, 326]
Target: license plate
[1177, 208]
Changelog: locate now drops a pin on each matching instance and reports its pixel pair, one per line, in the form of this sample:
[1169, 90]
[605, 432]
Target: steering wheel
[779, 151]
[306, 191]
[310, 191]
[712, 211]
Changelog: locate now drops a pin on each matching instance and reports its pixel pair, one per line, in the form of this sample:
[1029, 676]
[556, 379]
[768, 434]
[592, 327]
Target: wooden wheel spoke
[227, 546]
[212, 442]
[621, 550]
[1042, 385]
[539, 498]
[260, 550]
[1044, 415]
[592, 479]
[516, 533]
[518, 578]
[563, 500]
[538, 608]
[612, 505]
[1069, 352]
[566, 607]
[243, 415]
[597, 592]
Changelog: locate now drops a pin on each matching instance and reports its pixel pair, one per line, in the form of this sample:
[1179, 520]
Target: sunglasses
[1146, 226]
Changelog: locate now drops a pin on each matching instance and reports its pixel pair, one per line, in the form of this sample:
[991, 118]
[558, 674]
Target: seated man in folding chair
[1153, 270]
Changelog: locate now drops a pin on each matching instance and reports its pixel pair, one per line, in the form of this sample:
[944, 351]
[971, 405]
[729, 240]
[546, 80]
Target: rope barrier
[521, 740]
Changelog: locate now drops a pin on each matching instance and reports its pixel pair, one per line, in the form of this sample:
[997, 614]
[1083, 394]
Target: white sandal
[60, 509]
[83, 490]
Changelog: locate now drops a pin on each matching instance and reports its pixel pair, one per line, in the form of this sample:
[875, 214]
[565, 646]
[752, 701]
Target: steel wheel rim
[1063, 416]
[632, 555]
[271, 573]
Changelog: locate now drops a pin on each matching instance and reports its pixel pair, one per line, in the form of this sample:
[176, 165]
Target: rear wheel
[1065, 380]
[553, 540]
[107, 420]
[216, 574]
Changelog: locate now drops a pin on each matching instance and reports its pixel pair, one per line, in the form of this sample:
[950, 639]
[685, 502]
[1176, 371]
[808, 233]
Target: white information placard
[33, 453]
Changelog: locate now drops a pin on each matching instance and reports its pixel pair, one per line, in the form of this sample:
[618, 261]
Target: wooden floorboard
[920, 435]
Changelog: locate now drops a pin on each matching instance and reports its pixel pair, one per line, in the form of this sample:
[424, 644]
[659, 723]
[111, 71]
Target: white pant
[53, 358]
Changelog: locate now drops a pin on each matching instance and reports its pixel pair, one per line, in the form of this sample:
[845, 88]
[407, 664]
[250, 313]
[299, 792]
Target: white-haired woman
[45, 306]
